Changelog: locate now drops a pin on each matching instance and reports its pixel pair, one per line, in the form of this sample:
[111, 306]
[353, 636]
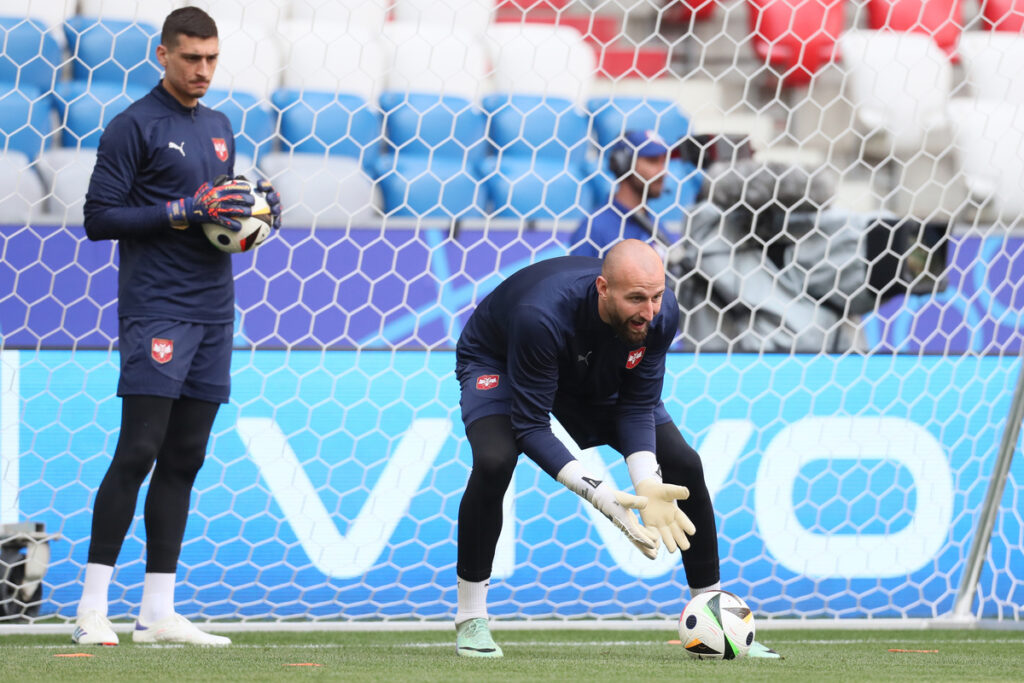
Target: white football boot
[176, 629]
[93, 628]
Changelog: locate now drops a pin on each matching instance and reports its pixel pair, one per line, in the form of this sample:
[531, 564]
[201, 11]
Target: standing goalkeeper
[585, 340]
[176, 313]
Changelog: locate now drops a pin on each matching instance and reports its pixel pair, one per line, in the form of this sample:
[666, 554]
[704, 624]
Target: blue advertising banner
[414, 288]
[844, 486]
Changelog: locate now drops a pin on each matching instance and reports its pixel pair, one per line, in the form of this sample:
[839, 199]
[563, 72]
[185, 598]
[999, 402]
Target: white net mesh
[841, 218]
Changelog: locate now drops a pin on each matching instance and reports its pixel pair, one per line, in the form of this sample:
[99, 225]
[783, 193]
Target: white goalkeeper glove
[662, 511]
[614, 504]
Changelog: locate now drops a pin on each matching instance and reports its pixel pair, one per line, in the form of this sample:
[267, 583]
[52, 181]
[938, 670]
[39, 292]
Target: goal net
[839, 217]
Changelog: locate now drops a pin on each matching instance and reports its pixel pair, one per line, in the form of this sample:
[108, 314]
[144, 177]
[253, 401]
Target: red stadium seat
[796, 37]
[940, 19]
[1003, 15]
[683, 11]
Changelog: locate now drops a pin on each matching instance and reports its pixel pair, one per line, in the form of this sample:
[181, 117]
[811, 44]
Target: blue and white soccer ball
[255, 229]
[716, 625]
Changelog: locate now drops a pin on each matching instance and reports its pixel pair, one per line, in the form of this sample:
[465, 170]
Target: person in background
[638, 162]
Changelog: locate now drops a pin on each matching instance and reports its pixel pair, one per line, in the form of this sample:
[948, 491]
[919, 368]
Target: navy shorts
[175, 359]
[486, 391]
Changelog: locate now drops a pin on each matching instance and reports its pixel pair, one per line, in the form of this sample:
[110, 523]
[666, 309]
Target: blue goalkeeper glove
[223, 202]
[273, 201]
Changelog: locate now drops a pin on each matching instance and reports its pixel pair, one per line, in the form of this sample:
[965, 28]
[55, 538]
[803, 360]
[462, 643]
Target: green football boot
[473, 639]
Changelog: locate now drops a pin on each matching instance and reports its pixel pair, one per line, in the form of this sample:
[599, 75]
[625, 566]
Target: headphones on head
[620, 160]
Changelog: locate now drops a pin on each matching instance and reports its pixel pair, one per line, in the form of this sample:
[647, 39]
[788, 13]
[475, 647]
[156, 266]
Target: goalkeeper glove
[273, 201]
[614, 504]
[223, 202]
[662, 511]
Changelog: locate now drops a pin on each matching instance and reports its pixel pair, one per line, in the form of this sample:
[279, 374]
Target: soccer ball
[716, 625]
[255, 229]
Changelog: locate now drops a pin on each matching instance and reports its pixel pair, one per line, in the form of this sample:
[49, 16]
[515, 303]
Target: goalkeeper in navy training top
[585, 340]
[164, 167]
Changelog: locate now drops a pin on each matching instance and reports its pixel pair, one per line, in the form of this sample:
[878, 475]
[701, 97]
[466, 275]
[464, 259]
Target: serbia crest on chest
[634, 357]
[220, 146]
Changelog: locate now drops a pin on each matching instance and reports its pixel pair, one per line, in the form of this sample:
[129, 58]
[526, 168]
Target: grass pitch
[619, 656]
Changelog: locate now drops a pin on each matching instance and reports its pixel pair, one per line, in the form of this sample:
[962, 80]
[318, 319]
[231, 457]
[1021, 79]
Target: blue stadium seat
[85, 110]
[250, 119]
[340, 124]
[25, 123]
[29, 54]
[539, 163]
[436, 146]
[614, 115]
[111, 50]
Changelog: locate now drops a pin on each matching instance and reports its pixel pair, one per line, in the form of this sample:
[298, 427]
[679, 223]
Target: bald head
[630, 287]
[631, 259]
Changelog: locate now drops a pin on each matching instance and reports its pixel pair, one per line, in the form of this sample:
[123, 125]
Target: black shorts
[486, 391]
[175, 359]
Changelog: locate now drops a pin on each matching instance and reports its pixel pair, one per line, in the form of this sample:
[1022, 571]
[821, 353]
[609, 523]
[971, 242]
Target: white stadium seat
[988, 137]
[993, 64]
[371, 13]
[65, 172]
[323, 191]
[245, 12]
[473, 16]
[434, 59]
[899, 84]
[250, 59]
[541, 59]
[333, 57]
[21, 191]
[151, 11]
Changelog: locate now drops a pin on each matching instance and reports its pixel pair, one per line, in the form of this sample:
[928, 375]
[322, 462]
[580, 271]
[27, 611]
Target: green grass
[822, 655]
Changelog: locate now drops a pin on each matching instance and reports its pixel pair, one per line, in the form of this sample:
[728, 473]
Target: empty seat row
[514, 155]
[796, 38]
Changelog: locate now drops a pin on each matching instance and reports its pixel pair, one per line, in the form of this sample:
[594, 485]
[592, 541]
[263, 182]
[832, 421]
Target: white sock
[95, 588]
[157, 598]
[472, 600]
[694, 592]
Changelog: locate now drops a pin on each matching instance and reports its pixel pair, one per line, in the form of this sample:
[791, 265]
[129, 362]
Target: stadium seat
[29, 53]
[795, 38]
[613, 116]
[332, 57]
[343, 125]
[116, 51]
[539, 163]
[323, 191]
[65, 173]
[430, 58]
[245, 12]
[988, 136]
[248, 60]
[898, 83]
[150, 12]
[940, 19]
[993, 64]
[1003, 15]
[51, 14]
[21, 191]
[436, 146]
[25, 122]
[250, 119]
[472, 16]
[541, 59]
[370, 13]
[85, 110]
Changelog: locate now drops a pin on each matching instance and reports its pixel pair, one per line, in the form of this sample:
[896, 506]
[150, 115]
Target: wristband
[643, 465]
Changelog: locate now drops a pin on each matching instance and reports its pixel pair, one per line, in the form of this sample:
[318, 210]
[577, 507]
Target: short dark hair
[189, 21]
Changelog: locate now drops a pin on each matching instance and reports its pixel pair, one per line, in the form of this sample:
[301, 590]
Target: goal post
[846, 248]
